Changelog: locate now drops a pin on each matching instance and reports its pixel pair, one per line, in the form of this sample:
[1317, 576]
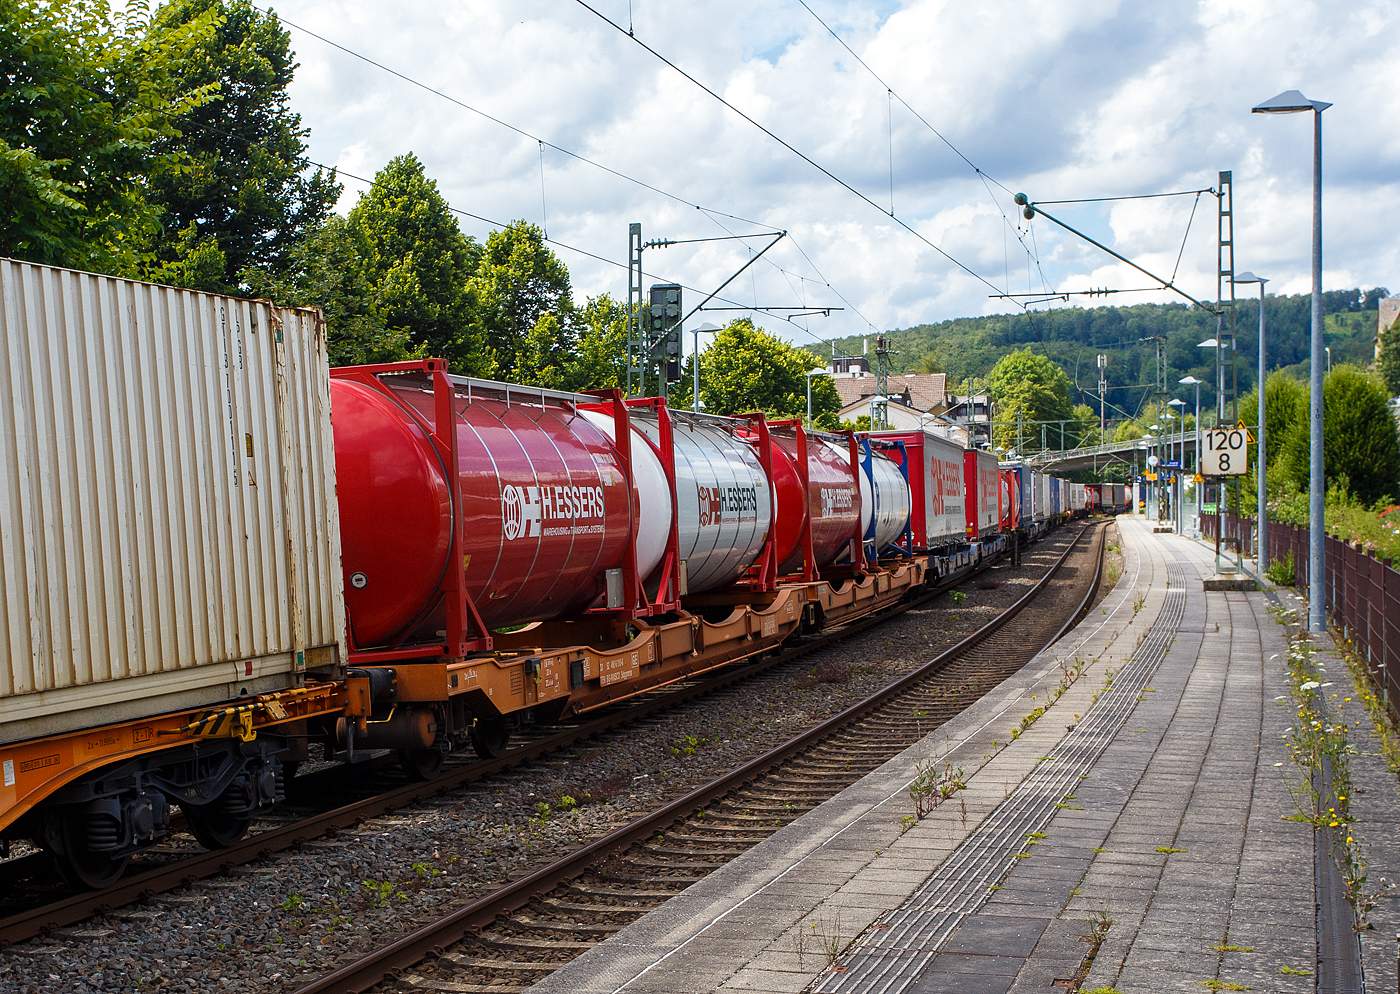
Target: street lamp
[1260, 465]
[815, 372]
[1154, 460]
[709, 328]
[1328, 349]
[1171, 490]
[1293, 102]
[1196, 446]
[1178, 492]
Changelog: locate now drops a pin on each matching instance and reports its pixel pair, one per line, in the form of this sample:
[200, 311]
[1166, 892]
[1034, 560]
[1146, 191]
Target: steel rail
[390, 960]
[144, 885]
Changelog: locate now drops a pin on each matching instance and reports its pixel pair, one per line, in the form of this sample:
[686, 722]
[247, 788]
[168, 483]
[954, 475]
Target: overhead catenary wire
[801, 155]
[712, 213]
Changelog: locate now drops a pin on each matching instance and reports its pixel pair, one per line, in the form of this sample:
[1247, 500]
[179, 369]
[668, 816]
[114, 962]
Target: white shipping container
[168, 521]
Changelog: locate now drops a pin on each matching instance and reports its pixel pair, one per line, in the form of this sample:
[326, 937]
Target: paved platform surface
[1146, 810]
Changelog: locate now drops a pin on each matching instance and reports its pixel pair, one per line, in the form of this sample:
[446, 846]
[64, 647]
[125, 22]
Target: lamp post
[1171, 440]
[815, 372]
[1260, 464]
[1196, 445]
[1293, 102]
[1154, 461]
[1179, 491]
[708, 328]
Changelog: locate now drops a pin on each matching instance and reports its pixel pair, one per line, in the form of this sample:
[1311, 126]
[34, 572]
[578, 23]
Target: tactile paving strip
[892, 955]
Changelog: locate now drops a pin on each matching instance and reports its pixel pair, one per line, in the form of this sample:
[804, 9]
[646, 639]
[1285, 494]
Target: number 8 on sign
[1224, 452]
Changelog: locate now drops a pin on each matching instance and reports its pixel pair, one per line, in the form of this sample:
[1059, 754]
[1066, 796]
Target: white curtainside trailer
[168, 520]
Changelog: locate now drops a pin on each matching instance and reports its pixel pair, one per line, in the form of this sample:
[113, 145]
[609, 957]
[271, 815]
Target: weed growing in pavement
[1099, 923]
[829, 936]
[1139, 602]
[1222, 985]
[933, 785]
[1221, 947]
[1169, 850]
[1286, 969]
[1317, 743]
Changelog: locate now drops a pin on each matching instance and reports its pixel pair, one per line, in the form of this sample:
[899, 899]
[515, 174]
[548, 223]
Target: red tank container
[545, 504]
[832, 505]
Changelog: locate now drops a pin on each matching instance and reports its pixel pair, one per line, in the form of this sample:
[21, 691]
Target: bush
[1283, 571]
[1360, 443]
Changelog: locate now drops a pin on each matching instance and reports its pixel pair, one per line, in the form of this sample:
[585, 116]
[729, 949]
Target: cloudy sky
[1061, 99]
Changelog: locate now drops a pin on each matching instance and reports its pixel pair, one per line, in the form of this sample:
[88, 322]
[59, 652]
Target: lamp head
[706, 328]
[1190, 381]
[1209, 343]
[1174, 402]
[1289, 102]
[1248, 277]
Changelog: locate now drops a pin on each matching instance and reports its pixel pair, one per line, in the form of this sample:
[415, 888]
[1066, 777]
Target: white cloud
[1062, 99]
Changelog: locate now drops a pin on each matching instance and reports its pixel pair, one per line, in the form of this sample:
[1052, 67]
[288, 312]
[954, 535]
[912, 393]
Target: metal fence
[1362, 593]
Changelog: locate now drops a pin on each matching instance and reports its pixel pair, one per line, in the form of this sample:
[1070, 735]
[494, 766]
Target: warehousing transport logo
[716, 502]
[524, 510]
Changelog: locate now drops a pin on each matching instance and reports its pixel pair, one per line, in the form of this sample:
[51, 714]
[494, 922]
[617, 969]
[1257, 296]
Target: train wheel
[490, 738]
[224, 820]
[66, 840]
[421, 764]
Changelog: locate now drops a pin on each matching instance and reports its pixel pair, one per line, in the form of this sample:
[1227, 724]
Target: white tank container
[724, 503]
[653, 493]
[891, 501]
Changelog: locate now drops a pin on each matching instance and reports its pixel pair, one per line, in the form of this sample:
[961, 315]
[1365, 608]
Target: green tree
[1388, 364]
[245, 184]
[330, 269]
[746, 369]
[419, 264]
[519, 281]
[88, 100]
[1360, 445]
[1035, 388]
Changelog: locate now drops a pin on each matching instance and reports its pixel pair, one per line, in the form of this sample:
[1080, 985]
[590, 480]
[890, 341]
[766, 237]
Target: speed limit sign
[1223, 453]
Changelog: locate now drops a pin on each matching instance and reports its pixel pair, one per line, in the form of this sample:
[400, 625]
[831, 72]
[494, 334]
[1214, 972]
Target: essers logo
[836, 500]
[524, 510]
[520, 511]
[716, 502]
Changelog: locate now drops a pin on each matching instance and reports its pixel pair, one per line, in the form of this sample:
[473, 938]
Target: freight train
[222, 557]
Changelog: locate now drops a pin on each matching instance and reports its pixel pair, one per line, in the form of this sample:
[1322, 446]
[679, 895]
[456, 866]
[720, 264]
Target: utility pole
[1225, 278]
[636, 381]
[880, 409]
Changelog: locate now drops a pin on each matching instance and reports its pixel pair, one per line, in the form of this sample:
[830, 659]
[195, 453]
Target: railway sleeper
[643, 863]
[706, 851]
[552, 927]
[655, 878]
[565, 907]
[504, 965]
[629, 894]
[517, 943]
[418, 982]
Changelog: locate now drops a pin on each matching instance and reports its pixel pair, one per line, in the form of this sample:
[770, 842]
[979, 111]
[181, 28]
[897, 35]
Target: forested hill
[1073, 336]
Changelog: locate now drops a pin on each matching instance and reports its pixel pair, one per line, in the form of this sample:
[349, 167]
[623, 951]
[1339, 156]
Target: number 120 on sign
[1224, 453]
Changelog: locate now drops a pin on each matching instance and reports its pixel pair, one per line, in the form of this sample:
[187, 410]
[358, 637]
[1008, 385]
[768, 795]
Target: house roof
[922, 391]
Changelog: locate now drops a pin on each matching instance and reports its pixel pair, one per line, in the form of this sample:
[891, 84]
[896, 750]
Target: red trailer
[983, 498]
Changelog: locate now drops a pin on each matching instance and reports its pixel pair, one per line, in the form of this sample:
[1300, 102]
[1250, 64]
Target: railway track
[182, 864]
[515, 936]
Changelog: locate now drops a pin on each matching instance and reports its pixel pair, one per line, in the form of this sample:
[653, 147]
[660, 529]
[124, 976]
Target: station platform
[1134, 836]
